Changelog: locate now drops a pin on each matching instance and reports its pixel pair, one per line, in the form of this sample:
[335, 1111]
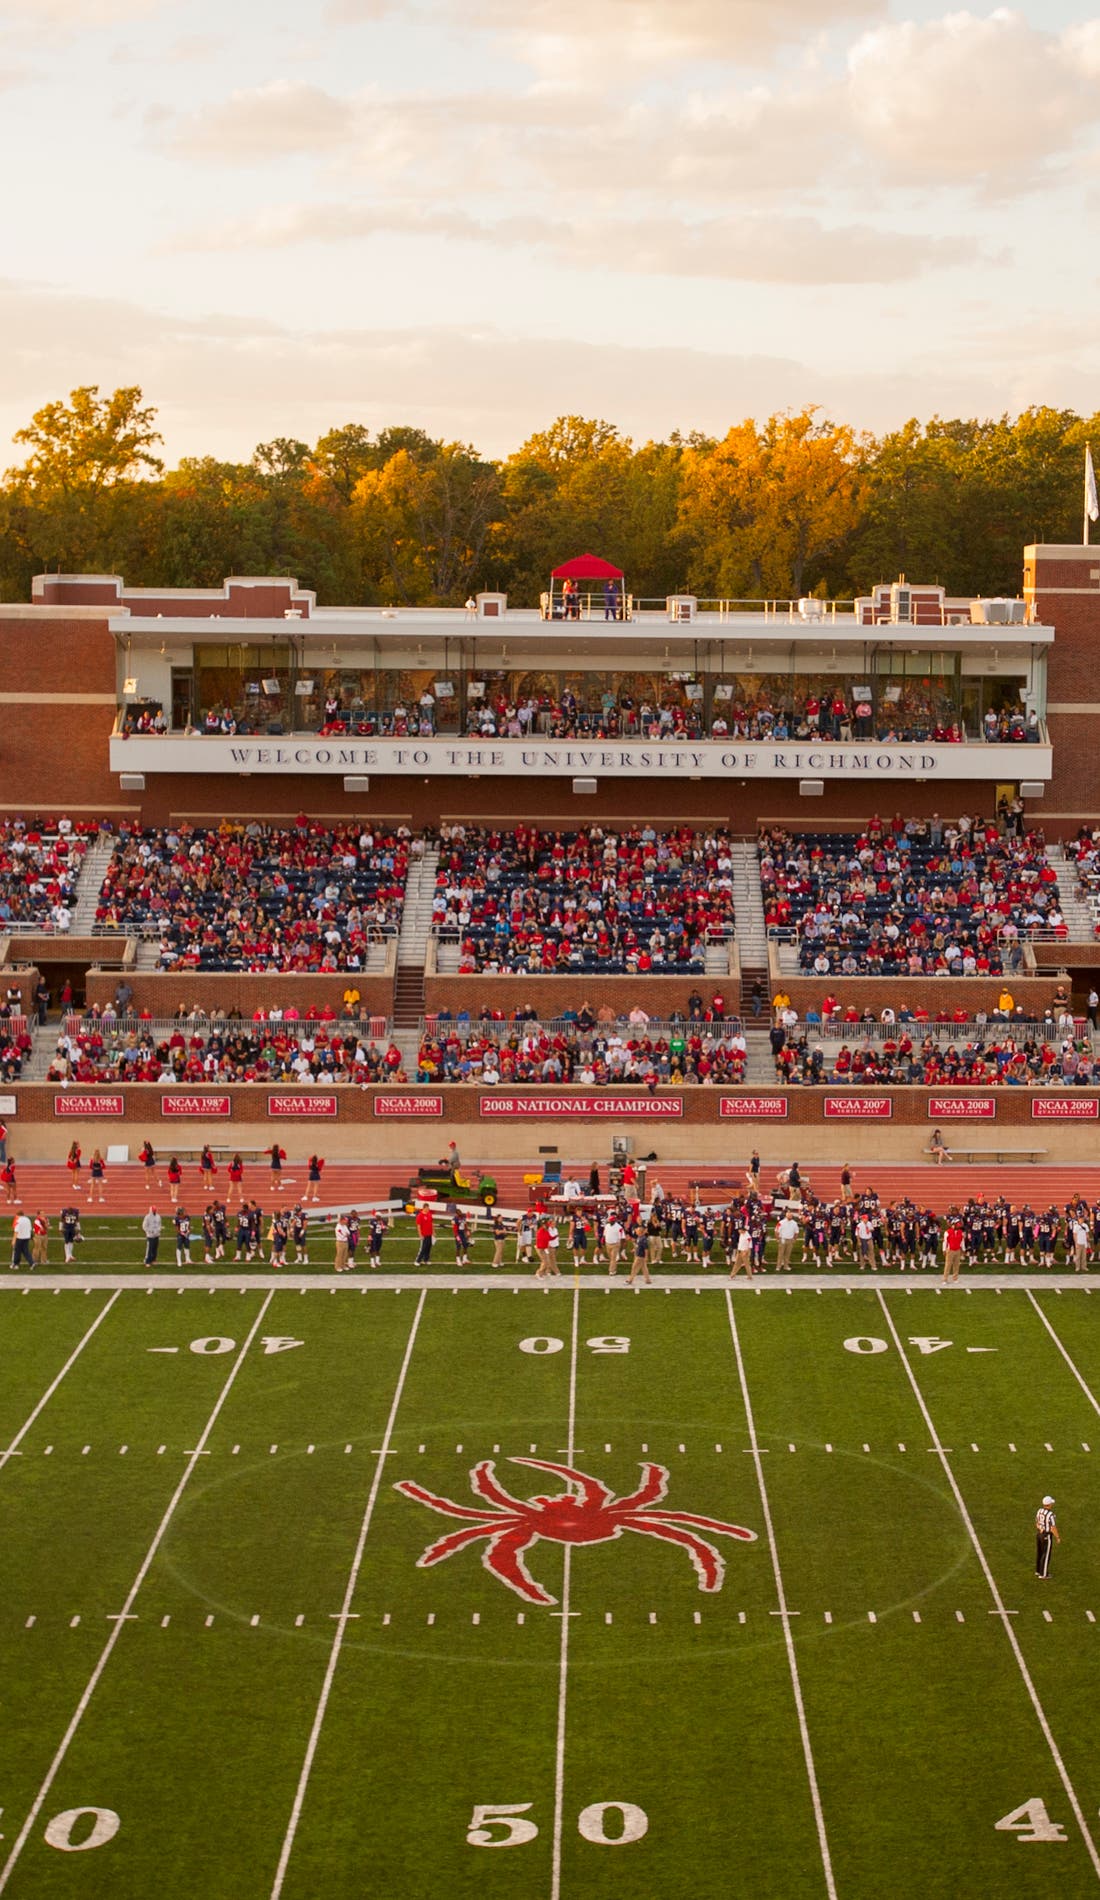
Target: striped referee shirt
[1044, 1520]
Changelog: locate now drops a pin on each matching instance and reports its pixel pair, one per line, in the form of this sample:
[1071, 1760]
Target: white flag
[1092, 502]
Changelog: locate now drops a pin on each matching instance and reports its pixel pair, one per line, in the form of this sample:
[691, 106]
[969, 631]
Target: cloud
[749, 249]
[279, 120]
[75, 14]
[221, 385]
[967, 100]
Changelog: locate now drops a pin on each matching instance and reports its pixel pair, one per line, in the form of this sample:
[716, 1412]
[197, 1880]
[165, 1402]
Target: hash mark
[164, 1622]
[253, 1621]
[717, 1447]
[476, 1617]
[1090, 1616]
[653, 1616]
[973, 1446]
[431, 1617]
[790, 1447]
[740, 1616]
[1047, 1447]
[347, 1448]
[828, 1616]
[47, 1451]
[274, 1449]
[916, 1616]
[30, 1623]
[959, 1617]
[901, 1447]
[697, 1616]
[161, 1449]
[607, 1616]
[828, 1448]
[871, 1617]
[519, 1616]
[73, 1621]
[122, 1450]
[1085, 1447]
[1012, 1448]
[1047, 1618]
[85, 1452]
[234, 1451]
[607, 1448]
[210, 1622]
[299, 1619]
[866, 1447]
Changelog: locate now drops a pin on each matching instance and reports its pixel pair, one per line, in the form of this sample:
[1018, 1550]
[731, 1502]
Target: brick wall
[931, 993]
[163, 994]
[550, 995]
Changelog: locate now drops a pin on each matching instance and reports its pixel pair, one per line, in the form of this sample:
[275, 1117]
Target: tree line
[793, 505]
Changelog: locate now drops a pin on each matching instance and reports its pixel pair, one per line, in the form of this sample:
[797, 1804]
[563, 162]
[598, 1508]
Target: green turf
[679, 1702]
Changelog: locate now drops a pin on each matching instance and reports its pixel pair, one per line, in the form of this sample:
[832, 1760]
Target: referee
[1046, 1536]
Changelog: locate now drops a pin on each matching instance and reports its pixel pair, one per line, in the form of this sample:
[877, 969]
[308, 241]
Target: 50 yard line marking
[345, 1608]
[1033, 1694]
[563, 1664]
[781, 1597]
[119, 1623]
[52, 1387]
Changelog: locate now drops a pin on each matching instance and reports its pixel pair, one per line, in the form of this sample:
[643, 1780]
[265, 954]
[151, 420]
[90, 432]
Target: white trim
[52, 1388]
[781, 1598]
[1063, 1774]
[345, 1609]
[1077, 1375]
[563, 1654]
[118, 1623]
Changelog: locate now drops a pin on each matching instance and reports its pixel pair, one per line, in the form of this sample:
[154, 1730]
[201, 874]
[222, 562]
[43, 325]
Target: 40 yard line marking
[345, 1610]
[1040, 1713]
[563, 1664]
[781, 1597]
[52, 1387]
[119, 1623]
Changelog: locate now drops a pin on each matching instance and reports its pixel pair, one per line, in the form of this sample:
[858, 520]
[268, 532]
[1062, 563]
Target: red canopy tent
[564, 600]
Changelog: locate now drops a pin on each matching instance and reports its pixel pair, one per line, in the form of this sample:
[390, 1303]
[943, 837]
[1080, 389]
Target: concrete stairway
[412, 943]
[752, 937]
[1079, 912]
[88, 886]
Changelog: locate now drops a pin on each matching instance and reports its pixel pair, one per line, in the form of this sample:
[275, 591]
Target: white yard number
[864, 1344]
[609, 1342]
[271, 1345]
[59, 1833]
[215, 1344]
[506, 1816]
[541, 1345]
[632, 1824]
[504, 1824]
[927, 1345]
[1030, 1822]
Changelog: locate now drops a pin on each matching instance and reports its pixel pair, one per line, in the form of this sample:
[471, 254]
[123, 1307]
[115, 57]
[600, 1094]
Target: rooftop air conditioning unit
[584, 785]
[352, 784]
[132, 781]
[1031, 788]
[811, 787]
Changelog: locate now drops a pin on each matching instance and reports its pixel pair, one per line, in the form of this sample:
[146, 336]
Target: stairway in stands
[412, 944]
[1078, 912]
[354, 1184]
[752, 937]
[89, 884]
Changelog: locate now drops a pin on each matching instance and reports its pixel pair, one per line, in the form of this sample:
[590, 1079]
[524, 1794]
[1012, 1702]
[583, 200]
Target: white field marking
[785, 1621]
[345, 1612]
[1033, 1694]
[563, 1654]
[1047, 1617]
[697, 1616]
[828, 1616]
[519, 1616]
[210, 1622]
[1089, 1394]
[1090, 1616]
[959, 1617]
[120, 1623]
[47, 1395]
[871, 1617]
[164, 1621]
[916, 1616]
[299, 1620]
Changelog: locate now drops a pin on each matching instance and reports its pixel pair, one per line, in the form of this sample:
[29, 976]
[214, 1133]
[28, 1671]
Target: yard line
[344, 1616]
[566, 1619]
[1077, 1375]
[119, 1624]
[781, 1597]
[51, 1389]
[1040, 1713]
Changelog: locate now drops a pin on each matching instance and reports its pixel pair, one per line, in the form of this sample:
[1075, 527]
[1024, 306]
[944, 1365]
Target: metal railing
[430, 1027]
[1015, 1029]
[128, 1028]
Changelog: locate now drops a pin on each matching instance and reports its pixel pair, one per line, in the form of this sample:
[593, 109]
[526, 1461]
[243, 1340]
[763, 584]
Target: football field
[368, 1591]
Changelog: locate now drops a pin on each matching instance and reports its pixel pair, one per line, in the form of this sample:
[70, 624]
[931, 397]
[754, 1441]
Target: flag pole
[1085, 521]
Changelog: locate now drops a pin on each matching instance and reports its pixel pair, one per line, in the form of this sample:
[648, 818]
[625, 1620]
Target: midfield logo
[587, 1513]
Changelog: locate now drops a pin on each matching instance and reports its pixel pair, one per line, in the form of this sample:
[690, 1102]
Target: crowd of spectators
[1002, 1060]
[631, 900]
[300, 1053]
[39, 868]
[679, 1055]
[911, 897]
[256, 897]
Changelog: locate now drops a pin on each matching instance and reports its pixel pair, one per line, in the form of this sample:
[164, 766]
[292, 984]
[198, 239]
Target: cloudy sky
[474, 215]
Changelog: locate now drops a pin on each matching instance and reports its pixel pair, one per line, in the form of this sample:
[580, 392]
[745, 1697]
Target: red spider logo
[588, 1513]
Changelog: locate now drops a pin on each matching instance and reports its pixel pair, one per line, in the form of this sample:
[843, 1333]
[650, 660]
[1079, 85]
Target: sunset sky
[474, 215]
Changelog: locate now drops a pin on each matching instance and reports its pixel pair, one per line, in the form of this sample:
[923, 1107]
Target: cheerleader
[74, 1165]
[11, 1190]
[236, 1179]
[148, 1161]
[97, 1177]
[207, 1170]
[314, 1170]
[276, 1156]
[175, 1176]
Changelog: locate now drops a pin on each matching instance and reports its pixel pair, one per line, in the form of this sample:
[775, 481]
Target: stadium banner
[302, 1107]
[858, 1108]
[1065, 1108]
[398, 1107]
[196, 1105]
[961, 1108]
[575, 1107]
[753, 1107]
[89, 1105]
[9, 1105]
[626, 758]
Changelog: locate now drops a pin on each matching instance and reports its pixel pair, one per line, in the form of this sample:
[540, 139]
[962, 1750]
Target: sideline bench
[995, 1153]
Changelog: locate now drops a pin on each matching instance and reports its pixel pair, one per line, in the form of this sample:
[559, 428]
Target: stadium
[500, 939]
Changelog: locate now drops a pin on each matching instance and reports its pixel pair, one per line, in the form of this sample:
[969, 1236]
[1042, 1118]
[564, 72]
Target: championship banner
[89, 1105]
[858, 1108]
[196, 1105]
[753, 1107]
[961, 1108]
[577, 1107]
[302, 1107]
[1064, 1108]
[400, 1107]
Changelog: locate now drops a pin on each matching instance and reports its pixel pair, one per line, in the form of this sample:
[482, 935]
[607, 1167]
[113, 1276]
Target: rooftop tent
[587, 567]
[585, 587]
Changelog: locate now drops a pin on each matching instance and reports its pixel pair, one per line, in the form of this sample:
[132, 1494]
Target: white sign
[625, 758]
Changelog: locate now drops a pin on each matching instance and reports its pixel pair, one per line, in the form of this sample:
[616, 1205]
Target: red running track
[348, 1184]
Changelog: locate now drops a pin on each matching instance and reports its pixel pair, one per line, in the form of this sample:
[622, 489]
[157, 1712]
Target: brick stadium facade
[85, 647]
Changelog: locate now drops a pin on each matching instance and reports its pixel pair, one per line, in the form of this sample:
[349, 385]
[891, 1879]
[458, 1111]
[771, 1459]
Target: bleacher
[898, 902]
[597, 901]
[308, 898]
[39, 868]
